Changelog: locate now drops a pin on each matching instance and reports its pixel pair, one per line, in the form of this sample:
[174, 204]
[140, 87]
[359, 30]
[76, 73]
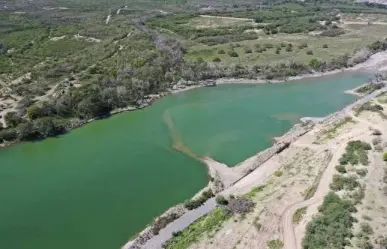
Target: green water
[100, 184]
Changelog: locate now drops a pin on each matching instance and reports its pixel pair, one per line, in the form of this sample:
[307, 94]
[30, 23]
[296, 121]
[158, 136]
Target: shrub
[278, 51]
[378, 148]
[297, 217]
[309, 52]
[315, 64]
[192, 204]
[248, 50]
[221, 200]
[332, 226]
[376, 132]
[278, 173]
[325, 46]
[385, 156]
[221, 51]
[361, 172]
[376, 141]
[9, 134]
[162, 222]
[240, 205]
[268, 45]
[275, 244]
[383, 243]
[355, 152]
[303, 45]
[232, 53]
[341, 182]
[366, 228]
[12, 119]
[216, 59]
[341, 169]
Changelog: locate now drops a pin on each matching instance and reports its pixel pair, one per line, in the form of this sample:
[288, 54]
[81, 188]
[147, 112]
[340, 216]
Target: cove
[100, 184]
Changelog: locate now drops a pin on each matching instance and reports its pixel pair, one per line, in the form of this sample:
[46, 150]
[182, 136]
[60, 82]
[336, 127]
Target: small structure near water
[210, 83]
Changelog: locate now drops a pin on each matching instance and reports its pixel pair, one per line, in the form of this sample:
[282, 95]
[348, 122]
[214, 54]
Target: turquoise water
[98, 185]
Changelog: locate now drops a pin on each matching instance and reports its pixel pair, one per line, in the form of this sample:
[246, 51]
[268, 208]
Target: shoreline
[375, 63]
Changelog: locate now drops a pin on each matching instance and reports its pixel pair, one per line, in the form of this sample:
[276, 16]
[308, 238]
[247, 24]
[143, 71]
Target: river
[100, 184]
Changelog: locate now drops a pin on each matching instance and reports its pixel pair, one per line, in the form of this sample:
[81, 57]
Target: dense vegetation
[332, 227]
[356, 151]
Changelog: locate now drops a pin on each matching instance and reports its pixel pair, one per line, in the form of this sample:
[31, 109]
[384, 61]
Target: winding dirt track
[291, 239]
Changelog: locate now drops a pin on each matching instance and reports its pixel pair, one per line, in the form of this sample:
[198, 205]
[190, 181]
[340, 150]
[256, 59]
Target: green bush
[221, 200]
[332, 226]
[315, 64]
[340, 182]
[302, 45]
[275, 244]
[341, 169]
[361, 172]
[355, 153]
[385, 156]
[278, 173]
[232, 53]
[216, 59]
[247, 50]
[366, 228]
[325, 46]
[9, 134]
[221, 51]
[195, 203]
[309, 52]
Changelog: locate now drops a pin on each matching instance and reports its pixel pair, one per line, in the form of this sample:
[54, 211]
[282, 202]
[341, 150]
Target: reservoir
[98, 185]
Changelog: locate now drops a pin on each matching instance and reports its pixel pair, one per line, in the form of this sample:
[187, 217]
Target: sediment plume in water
[177, 141]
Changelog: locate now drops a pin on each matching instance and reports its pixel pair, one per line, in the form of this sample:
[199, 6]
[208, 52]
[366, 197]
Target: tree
[12, 119]
[315, 64]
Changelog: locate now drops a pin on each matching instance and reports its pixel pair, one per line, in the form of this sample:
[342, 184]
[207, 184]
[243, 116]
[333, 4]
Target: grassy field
[356, 37]
[214, 21]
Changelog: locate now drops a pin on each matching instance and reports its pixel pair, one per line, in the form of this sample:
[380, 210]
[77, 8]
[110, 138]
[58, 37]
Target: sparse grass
[298, 215]
[330, 133]
[254, 191]
[193, 233]
[256, 223]
[309, 193]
